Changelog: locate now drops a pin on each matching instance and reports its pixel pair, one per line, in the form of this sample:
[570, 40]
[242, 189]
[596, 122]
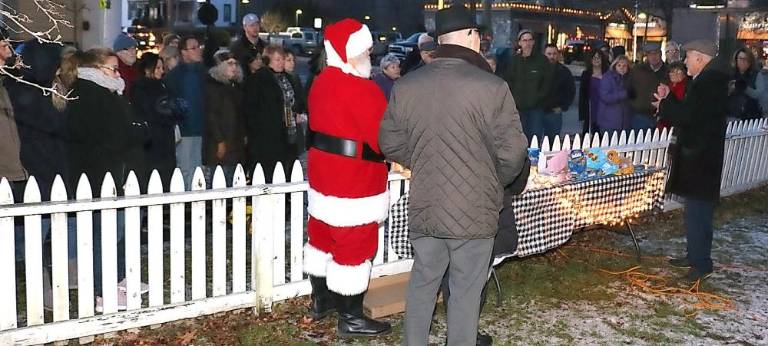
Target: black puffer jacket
[105, 136]
[42, 128]
[152, 103]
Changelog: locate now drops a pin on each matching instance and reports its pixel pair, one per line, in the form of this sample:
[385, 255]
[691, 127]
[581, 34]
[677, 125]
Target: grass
[534, 290]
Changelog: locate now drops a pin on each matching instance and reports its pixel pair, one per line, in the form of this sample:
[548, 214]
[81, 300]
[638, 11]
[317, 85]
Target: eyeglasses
[112, 68]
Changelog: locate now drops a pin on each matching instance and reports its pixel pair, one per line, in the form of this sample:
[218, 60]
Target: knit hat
[123, 41]
[387, 60]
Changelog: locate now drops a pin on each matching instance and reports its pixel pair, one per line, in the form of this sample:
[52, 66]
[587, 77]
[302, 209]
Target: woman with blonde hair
[614, 113]
[105, 137]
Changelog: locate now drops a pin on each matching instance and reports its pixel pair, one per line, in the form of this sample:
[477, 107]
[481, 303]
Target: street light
[298, 12]
[367, 17]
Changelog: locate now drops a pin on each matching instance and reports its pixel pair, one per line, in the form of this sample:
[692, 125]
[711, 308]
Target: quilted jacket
[458, 130]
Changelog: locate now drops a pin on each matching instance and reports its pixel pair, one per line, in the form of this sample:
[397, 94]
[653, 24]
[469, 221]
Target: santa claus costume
[348, 195]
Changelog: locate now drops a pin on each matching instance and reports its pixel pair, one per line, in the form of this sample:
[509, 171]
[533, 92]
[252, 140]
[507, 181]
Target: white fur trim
[348, 212]
[348, 280]
[357, 44]
[315, 260]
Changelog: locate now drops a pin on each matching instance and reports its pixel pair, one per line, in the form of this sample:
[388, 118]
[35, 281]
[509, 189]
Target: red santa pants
[341, 254]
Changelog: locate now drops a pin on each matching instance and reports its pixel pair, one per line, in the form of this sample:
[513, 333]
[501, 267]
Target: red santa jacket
[346, 191]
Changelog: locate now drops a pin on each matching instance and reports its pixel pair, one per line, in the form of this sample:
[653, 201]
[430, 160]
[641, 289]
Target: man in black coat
[697, 150]
[249, 42]
[561, 93]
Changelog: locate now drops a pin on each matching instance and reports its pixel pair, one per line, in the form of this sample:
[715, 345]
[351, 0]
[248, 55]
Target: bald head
[695, 61]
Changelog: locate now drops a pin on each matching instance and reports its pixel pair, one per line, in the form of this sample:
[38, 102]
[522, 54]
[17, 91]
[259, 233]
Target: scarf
[94, 75]
[463, 53]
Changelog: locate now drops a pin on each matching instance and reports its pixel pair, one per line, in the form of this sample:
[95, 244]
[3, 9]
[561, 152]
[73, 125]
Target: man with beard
[348, 195]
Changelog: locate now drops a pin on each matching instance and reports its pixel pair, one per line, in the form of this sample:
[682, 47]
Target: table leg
[634, 239]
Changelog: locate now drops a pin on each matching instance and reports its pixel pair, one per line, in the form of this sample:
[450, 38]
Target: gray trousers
[467, 263]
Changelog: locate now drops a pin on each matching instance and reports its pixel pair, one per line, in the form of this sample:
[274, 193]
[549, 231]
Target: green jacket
[529, 80]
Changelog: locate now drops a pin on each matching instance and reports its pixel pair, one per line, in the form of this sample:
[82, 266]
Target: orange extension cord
[696, 299]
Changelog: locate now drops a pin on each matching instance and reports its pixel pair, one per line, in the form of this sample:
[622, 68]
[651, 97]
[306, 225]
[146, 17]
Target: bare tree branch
[20, 23]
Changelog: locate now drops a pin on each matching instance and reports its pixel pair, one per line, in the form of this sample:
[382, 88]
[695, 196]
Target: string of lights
[537, 9]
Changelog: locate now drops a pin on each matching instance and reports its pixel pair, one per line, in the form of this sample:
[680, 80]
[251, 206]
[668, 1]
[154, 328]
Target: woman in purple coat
[614, 113]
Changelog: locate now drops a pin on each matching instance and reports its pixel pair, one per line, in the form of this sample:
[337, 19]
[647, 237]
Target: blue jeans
[46, 231]
[189, 156]
[698, 232]
[532, 121]
[97, 249]
[642, 121]
[553, 124]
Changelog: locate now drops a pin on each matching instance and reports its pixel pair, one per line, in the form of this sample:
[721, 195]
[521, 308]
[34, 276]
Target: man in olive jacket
[455, 125]
[697, 150]
[529, 76]
[642, 83]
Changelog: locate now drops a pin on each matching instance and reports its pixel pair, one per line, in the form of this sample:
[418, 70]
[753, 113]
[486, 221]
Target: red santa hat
[346, 39]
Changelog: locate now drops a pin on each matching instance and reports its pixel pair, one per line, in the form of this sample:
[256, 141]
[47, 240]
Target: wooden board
[386, 295]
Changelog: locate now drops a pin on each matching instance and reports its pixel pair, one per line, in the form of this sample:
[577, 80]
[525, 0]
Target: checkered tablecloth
[547, 217]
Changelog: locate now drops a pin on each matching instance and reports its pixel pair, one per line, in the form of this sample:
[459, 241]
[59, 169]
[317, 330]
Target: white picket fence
[210, 261]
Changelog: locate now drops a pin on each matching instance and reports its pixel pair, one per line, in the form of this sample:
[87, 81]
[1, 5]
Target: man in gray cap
[697, 150]
[455, 125]
[643, 79]
[249, 43]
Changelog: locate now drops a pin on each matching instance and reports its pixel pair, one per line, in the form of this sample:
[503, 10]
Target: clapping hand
[662, 91]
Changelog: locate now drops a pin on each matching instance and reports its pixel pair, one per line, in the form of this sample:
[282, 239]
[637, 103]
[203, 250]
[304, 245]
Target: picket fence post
[85, 281]
[278, 228]
[108, 248]
[155, 258]
[238, 234]
[7, 261]
[219, 236]
[262, 245]
[33, 246]
[297, 225]
[59, 255]
[178, 241]
[199, 279]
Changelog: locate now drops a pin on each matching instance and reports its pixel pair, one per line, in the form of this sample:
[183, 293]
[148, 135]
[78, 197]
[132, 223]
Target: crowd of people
[455, 109]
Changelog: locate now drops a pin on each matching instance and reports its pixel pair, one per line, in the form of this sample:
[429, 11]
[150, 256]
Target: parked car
[575, 50]
[381, 42]
[302, 41]
[402, 48]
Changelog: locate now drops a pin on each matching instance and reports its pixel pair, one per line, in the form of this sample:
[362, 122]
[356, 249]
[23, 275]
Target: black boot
[322, 301]
[352, 321]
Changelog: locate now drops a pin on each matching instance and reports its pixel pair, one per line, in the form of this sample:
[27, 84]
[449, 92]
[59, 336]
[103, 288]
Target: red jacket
[129, 75]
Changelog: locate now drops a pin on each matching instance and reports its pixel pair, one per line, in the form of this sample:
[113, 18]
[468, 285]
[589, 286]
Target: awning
[653, 27]
[753, 26]
[617, 31]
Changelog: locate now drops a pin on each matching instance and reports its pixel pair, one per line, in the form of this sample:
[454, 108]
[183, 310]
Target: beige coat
[10, 160]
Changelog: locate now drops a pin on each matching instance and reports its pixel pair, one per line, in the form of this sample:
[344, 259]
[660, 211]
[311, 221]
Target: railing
[202, 257]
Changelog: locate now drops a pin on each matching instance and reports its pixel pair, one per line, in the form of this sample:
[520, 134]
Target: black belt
[341, 146]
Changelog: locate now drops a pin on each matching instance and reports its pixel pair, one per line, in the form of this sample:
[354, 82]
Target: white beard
[361, 68]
